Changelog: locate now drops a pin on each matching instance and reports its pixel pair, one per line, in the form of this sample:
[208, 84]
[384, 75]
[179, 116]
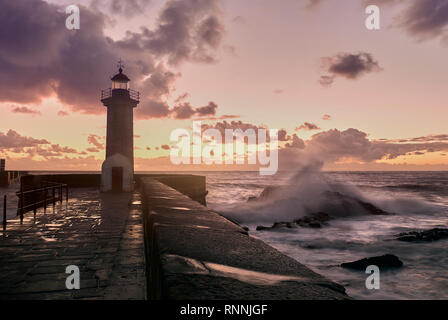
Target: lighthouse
[117, 171]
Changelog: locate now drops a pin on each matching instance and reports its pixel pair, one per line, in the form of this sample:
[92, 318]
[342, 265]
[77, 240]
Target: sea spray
[310, 191]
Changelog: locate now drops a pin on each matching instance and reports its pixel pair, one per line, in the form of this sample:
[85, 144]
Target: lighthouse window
[120, 85]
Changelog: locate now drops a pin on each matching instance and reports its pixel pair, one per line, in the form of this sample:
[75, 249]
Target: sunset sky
[359, 99]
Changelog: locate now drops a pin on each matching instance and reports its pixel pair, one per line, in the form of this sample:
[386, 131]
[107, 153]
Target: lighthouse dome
[120, 80]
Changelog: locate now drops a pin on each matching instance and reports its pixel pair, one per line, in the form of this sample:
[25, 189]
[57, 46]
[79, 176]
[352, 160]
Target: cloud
[307, 126]
[426, 19]
[333, 145]
[239, 20]
[129, 8]
[422, 19]
[96, 141]
[223, 117]
[12, 139]
[233, 125]
[277, 91]
[283, 135]
[313, 3]
[347, 65]
[326, 117]
[44, 59]
[12, 142]
[186, 111]
[62, 113]
[295, 143]
[187, 30]
[165, 147]
[25, 110]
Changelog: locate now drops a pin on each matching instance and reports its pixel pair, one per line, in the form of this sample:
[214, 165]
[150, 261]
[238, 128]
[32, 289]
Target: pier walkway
[102, 234]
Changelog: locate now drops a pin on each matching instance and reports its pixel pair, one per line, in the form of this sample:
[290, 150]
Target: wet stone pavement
[102, 234]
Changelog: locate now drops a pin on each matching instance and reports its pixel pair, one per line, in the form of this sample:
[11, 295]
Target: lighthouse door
[117, 178]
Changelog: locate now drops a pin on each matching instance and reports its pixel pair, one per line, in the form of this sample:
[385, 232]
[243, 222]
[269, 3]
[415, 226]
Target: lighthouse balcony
[120, 93]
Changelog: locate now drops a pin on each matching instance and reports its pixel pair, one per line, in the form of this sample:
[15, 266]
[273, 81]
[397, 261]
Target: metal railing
[36, 198]
[107, 93]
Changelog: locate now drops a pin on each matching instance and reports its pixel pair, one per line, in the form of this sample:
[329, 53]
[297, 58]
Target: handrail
[107, 93]
[37, 192]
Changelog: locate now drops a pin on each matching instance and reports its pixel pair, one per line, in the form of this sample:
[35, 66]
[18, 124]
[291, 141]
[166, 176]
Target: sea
[416, 200]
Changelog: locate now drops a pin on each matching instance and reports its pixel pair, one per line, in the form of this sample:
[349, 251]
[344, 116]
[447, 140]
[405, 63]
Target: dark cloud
[233, 125]
[426, 19]
[12, 139]
[187, 30]
[333, 145]
[308, 127]
[25, 110]
[296, 142]
[347, 65]
[165, 147]
[12, 142]
[208, 110]
[95, 140]
[283, 135]
[428, 138]
[42, 58]
[422, 19]
[186, 111]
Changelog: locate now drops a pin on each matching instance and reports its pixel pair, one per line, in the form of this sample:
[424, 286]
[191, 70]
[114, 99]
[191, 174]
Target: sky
[354, 98]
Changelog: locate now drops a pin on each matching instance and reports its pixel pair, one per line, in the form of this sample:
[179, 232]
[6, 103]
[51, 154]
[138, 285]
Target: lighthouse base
[117, 174]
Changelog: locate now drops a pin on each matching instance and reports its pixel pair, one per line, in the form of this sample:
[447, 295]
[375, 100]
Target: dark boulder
[423, 236]
[315, 220]
[348, 202]
[276, 226]
[385, 261]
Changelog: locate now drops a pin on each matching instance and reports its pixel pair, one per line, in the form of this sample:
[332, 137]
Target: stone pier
[102, 234]
[159, 242]
[194, 253]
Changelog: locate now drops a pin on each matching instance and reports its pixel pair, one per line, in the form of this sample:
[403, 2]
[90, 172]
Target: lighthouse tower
[117, 171]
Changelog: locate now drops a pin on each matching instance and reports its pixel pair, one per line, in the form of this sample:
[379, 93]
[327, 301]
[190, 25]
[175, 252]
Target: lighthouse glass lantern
[120, 81]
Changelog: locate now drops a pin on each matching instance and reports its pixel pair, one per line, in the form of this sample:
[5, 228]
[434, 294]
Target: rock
[315, 220]
[423, 236]
[276, 226]
[385, 261]
[347, 201]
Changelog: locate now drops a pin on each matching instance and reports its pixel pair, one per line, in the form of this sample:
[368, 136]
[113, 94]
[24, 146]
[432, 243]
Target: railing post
[54, 195]
[22, 200]
[60, 194]
[66, 193]
[34, 208]
[4, 212]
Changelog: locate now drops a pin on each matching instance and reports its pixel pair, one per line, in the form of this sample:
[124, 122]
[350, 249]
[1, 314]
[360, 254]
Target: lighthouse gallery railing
[107, 93]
